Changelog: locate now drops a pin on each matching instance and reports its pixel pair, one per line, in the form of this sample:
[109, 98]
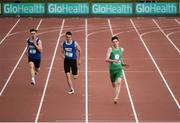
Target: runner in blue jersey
[71, 54]
[34, 50]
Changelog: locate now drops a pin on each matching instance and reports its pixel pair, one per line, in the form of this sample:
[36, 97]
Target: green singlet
[116, 68]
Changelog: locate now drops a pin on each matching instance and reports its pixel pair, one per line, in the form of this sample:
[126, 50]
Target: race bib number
[117, 58]
[32, 51]
[69, 54]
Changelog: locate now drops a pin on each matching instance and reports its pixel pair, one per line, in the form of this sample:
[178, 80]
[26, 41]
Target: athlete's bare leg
[68, 77]
[117, 88]
[32, 72]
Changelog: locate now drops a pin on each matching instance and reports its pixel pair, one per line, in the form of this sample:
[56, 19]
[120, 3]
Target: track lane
[58, 105]
[166, 61]
[12, 48]
[101, 107]
[164, 33]
[21, 94]
[169, 62]
[6, 25]
[160, 96]
[167, 23]
[20, 101]
[173, 34]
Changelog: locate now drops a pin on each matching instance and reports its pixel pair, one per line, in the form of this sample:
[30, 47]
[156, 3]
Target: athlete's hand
[125, 65]
[63, 57]
[116, 61]
[79, 62]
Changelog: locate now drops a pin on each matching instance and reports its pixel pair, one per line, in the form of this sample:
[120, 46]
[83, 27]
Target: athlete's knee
[31, 65]
[118, 80]
[68, 76]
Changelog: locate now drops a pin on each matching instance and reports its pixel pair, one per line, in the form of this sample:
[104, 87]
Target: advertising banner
[23, 8]
[68, 8]
[112, 8]
[156, 8]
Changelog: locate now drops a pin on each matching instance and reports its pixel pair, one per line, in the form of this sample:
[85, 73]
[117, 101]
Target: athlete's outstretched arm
[79, 53]
[62, 51]
[27, 50]
[124, 64]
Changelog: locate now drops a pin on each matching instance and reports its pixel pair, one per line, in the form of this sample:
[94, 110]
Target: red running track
[149, 94]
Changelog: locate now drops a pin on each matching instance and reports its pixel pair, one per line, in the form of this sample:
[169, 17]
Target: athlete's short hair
[68, 33]
[114, 37]
[33, 30]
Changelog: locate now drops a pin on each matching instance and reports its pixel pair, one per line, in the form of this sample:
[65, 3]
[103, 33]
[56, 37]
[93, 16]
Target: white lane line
[172, 33]
[15, 67]
[86, 71]
[177, 21]
[9, 31]
[110, 27]
[39, 24]
[152, 58]
[96, 32]
[166, 36]
[121, 32]
[49, 73]
[126, 82]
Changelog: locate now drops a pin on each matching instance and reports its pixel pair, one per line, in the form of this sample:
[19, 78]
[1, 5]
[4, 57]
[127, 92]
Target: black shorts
[36, 62]
[70, 64]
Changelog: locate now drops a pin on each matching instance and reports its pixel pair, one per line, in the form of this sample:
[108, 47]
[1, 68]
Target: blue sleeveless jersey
[33, 52]
[70, 50]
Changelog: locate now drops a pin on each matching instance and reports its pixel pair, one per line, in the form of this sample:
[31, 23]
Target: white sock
[33, 79]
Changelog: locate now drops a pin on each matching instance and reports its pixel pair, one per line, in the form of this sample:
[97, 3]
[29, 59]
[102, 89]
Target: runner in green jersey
[114, 58]
[116, 67]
